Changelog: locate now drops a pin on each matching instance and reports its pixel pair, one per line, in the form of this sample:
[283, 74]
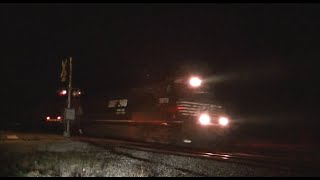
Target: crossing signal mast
[69, 113]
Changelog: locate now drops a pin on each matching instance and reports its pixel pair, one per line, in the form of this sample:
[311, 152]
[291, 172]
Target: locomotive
[177, 111]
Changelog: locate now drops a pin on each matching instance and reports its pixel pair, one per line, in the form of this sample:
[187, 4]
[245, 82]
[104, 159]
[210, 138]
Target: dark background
[262, 57]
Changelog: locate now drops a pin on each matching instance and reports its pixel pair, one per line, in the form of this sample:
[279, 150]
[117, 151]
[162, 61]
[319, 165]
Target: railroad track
[299, 166]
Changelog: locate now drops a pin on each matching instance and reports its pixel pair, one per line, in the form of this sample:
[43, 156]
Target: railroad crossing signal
[64, 73]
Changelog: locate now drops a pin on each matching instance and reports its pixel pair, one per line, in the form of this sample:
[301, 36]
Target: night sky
[262, 57]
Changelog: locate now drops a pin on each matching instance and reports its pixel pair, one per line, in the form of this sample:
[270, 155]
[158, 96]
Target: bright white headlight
[195, 82]
[204, 119]
[223, 121]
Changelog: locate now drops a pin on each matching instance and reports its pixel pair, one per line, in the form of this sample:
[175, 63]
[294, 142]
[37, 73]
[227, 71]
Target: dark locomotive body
[171, 112]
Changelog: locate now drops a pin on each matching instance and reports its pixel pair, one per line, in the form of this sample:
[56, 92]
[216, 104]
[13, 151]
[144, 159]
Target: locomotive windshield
[203, 97]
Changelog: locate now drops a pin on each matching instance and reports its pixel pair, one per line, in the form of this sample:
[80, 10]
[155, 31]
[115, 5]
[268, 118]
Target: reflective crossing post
[68, 111]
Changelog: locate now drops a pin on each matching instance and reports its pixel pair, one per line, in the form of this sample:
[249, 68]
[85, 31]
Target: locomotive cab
[203, 119]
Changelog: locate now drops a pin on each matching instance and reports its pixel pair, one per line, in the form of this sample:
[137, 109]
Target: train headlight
[223, 121]
[204, 119]
[195, 81]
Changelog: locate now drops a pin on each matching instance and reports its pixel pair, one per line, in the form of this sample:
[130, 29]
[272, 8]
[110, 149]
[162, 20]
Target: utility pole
[67, 132]
[70, 81]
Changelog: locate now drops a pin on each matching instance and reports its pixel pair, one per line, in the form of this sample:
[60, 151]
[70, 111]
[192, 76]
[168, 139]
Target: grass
[67, 164]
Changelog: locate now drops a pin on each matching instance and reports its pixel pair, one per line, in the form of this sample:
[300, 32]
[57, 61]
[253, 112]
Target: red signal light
[63, 92]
